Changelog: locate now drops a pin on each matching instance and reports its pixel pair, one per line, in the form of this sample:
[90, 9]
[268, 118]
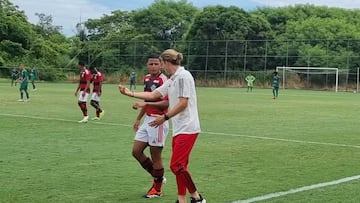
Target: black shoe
[201, 200]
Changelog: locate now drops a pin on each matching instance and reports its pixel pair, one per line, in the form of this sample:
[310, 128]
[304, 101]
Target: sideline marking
[285, 140]
[211, 133]
[297, 190]
[60, 119]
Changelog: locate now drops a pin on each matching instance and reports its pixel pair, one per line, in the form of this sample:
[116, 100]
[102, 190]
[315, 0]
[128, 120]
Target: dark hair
[154, 56]
[81, 63]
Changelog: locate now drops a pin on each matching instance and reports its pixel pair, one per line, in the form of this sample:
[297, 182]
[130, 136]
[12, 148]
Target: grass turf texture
[251, 145]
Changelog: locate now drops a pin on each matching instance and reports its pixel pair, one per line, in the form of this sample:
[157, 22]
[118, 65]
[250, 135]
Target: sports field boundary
[298, 190]
[285, 140]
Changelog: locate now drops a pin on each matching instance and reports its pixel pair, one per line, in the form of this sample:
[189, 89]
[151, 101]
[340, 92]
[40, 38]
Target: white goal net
[319, 78]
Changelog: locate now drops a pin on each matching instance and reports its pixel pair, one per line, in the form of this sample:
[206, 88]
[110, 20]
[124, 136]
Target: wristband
[166, 117]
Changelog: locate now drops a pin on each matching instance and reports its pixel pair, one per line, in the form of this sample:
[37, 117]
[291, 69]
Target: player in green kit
[250, 82]
[23, 80]
[275, 85]
[133, 77]
[32, 78]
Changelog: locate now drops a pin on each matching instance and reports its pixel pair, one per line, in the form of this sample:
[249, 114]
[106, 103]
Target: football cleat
[201, 200]
[95, 119]
[20, 100]
[84, 120]
[153, 193]
[101, 114]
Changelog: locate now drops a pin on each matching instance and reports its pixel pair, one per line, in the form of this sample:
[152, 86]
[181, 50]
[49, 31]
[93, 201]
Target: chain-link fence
[222, 62]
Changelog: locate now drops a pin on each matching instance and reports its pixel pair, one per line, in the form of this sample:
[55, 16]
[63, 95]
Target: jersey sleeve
[184, 87]
[163, 89]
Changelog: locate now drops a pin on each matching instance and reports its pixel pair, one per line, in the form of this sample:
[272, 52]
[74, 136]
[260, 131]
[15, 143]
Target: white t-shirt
[181, 84]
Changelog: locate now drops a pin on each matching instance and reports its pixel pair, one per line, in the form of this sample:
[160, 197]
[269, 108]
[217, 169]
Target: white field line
[297, 190]
[285, 140]
[60, 119]
[210, 133]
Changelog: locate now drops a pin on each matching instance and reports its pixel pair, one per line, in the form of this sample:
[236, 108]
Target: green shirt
[24, 76]
[275, 81]
[250, 80]
[33, 74]
[133, 76]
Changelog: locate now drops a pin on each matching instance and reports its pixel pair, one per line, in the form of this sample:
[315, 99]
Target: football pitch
[302, 147]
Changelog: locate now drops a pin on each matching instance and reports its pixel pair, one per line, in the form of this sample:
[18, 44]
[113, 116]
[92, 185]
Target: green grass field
[251, 146]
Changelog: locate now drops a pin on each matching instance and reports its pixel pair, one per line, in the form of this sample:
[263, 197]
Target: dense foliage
[208, 37]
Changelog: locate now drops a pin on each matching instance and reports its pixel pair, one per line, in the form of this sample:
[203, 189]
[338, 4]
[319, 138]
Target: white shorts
[95, 96]
[151, 135]
[83, 98]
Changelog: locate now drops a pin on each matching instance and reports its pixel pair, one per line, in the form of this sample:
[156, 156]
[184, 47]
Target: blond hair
[172, 56]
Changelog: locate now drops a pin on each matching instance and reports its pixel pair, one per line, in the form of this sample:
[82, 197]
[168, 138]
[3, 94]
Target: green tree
[165, 20]
[228, 28]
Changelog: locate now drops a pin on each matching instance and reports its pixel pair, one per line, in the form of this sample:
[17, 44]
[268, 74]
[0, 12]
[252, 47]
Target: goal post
[282, 70]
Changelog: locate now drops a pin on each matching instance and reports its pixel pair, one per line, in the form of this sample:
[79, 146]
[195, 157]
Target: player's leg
[140, 143]
[277, 92]
[157, 137]
[273, 91]
[181, 147]
[21, 94]
[95, 102]
[157, 173]
[140, 156]
[83, 107]
[33, 84]
[26, 92]
[131, 84]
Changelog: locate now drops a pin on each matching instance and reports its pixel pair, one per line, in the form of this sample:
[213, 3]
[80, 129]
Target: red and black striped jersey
[84, 78]
[150, 84]
[97, 79]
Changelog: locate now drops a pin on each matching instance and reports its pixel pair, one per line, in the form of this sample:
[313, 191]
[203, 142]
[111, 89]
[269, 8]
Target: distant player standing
[133, 77]
[151, 136]
[33, 78]
[14, 77]
[275, 85]
[84, 87]
[96, 79]
[23, 80]
[250, 82]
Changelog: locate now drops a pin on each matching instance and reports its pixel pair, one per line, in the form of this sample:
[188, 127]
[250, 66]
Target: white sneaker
[20, 100]
[95, 119]
[26, 100]
[84, 120]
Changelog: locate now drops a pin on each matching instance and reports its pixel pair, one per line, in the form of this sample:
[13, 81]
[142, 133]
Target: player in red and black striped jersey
[154, 137]
[84, 87]
[96, 79]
